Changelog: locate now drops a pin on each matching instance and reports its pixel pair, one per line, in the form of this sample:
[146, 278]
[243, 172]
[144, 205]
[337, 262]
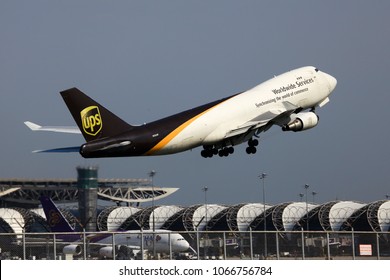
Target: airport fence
[221, 245]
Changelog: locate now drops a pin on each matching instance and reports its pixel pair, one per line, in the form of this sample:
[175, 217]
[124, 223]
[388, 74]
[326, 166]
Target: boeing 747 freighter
[288, 100]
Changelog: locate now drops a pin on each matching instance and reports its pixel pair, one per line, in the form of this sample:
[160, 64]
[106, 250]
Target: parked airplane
[217, 126]
[159, 241]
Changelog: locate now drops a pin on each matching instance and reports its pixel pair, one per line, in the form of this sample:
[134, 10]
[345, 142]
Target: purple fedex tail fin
[55, 219]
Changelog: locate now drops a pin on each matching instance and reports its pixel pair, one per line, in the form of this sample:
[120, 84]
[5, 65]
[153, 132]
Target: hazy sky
[148, 59]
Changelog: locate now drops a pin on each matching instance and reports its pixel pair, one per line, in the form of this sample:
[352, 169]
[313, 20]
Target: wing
[265, 121]
[62, 129]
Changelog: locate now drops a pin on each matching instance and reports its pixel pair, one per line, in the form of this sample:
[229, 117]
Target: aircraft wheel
[223, 152]
[207, 153]
[253, 142]
[251, 150]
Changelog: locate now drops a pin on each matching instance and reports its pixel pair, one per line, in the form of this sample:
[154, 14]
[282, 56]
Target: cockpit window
[316, 69]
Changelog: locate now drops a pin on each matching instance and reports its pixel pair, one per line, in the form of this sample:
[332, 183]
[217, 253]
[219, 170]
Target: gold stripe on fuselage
[160, 145]
[173, 134]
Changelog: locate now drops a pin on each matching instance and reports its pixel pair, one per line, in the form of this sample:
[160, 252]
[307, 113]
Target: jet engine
[302, 121]
[106, 252]
[74, 250]
[105, 148]
[121, 252]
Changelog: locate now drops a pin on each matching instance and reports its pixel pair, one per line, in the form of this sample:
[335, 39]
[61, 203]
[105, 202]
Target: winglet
[32, 126]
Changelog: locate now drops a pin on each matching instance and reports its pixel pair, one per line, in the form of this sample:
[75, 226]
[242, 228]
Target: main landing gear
[210, 151]
[252, 144]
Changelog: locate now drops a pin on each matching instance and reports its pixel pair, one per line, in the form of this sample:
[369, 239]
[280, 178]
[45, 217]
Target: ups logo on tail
[91, 120]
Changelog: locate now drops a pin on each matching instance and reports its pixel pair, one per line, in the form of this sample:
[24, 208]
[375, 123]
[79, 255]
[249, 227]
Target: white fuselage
[304, 87]
[161, 241]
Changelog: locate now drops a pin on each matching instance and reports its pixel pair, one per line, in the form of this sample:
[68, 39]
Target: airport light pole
[314, 194]
[152, 173]
[205, 189]
[307, 209]
[262, 177]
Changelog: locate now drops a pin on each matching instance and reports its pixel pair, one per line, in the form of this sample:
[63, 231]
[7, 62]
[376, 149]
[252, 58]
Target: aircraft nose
[183, 246]
[332, 82]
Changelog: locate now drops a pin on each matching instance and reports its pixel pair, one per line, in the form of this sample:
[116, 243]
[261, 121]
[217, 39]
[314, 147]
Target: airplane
[288, 100]
[159, 241]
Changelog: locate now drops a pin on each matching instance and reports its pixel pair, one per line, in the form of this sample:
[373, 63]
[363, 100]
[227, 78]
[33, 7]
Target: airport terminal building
[224, 225]
[291, 216]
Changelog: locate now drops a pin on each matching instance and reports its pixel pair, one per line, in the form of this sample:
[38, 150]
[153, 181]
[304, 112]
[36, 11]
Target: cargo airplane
[159, 240]
[288, 100]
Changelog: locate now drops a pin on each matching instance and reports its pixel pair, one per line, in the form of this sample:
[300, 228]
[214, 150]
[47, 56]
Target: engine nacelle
[302, 121]
[106, 252]
[74, 250]
[105, 148]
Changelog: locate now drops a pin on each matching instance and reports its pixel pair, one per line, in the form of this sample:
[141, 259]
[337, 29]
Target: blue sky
[145, 60]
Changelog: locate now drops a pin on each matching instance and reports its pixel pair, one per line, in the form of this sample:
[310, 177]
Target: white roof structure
[161, 214]
[341, 211]
[14, 219]
[330, 216]
[247, 213]
[112, 218]
[201, 216]
[293, 212]
[383, 215]
[39, 212]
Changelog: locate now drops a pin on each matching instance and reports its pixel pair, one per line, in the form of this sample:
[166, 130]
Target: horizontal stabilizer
[60, 150]
[63, 129]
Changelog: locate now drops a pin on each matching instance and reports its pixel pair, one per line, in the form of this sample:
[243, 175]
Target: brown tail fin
[94, 120]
